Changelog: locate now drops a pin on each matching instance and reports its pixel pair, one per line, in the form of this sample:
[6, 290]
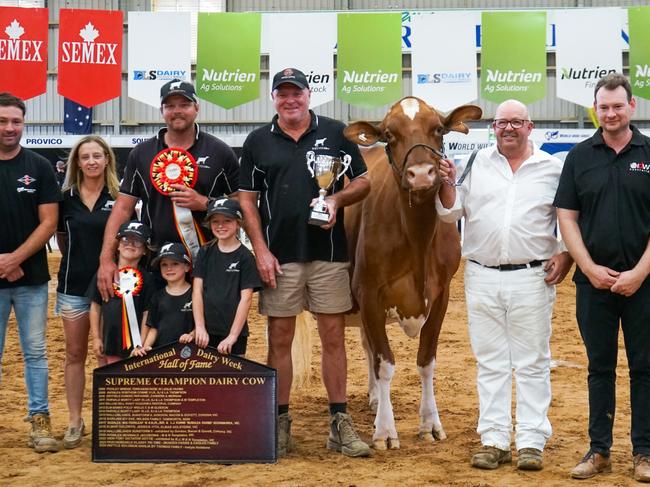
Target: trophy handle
[345, 162]
[311, 159]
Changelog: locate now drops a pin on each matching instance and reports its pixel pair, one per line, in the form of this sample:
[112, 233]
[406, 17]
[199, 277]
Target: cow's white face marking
[410, 107]
[412, 325]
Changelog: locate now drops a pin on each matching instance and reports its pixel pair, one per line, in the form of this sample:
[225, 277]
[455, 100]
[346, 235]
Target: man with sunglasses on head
[217, 174]
[513, 263]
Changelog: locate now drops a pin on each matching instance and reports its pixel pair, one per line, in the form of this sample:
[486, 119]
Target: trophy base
[318, 218]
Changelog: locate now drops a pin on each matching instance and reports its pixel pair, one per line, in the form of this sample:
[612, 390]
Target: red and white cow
[402, 256]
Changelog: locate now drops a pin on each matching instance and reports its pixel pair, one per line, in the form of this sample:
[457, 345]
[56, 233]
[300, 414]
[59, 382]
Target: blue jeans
[30, 307]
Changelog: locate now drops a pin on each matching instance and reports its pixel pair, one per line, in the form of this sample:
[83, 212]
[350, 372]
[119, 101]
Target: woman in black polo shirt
[89, 192]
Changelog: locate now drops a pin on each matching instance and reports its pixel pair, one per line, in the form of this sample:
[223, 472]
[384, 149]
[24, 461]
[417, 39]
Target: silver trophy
[326, 170]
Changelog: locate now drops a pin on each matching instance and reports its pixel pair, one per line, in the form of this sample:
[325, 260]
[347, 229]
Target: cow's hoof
[426, 436]
[393, 443]
[439, 434]
[380, 444]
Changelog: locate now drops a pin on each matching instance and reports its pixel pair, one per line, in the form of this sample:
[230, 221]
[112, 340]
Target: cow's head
[412, 132]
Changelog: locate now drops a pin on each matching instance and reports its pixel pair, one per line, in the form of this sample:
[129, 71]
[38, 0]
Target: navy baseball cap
[135, 229]
[290, 75]
[224, 206]
[178, 87]
[175, 251]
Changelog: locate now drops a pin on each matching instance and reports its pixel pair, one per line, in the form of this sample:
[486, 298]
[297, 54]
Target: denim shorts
[71, 307]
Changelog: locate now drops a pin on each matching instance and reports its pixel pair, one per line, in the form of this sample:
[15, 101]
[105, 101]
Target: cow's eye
[389, 136]
[438, 131]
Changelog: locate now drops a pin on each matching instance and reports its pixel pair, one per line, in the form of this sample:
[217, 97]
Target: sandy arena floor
[443, 463]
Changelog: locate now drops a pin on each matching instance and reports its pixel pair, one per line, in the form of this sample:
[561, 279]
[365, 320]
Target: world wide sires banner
[369, 59]
[23, 51]
[513, 56]
[228, 76]
[639, 21]
[90, 55]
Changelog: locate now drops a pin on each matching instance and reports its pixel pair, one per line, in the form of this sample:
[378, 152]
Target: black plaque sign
[184, 403]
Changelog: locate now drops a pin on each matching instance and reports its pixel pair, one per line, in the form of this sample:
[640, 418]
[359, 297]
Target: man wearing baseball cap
[190, 167]
[301, 262]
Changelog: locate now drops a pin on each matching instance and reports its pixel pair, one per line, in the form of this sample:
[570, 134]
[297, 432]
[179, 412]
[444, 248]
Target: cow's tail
[301, 350]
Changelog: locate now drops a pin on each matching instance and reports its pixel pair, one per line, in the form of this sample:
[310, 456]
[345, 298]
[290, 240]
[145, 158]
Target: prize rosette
[130, 282]
[173, 166]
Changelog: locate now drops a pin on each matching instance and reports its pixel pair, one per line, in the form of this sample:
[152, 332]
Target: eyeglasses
[131, 241]
[515, 123]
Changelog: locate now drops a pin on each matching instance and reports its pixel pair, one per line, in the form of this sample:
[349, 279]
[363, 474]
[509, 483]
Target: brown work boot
[490, 457]
[591, 465]
[642, 467]
[529, 459]
[285, 441]
[344, 438]
[40, 437]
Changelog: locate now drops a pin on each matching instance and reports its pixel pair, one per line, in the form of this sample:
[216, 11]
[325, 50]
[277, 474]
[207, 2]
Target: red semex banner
[90, 55]
[23, 51]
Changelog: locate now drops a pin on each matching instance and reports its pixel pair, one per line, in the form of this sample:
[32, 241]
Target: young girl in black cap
[170, 313]
[225, 277]
[116, 323]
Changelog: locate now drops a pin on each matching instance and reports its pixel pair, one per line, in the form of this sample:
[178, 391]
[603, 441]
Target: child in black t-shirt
[170, 314]
[225, 277]
[118, 324]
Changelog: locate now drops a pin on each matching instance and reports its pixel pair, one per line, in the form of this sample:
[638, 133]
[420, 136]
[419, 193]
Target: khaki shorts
[319, 287]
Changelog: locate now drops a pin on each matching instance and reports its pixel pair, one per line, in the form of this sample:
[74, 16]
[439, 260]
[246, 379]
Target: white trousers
[509, 314]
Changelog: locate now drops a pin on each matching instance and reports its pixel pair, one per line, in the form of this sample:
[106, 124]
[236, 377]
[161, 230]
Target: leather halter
[400, 172]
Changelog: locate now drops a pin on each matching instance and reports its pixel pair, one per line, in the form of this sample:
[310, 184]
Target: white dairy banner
[305, 42]
[443, 55]
[588, 47]
[159, 49]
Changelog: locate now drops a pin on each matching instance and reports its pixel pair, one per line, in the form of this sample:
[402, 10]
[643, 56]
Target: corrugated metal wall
[127, 116]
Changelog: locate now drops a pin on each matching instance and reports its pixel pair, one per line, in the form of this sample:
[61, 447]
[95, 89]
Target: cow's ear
[363, 133]
[454, 121]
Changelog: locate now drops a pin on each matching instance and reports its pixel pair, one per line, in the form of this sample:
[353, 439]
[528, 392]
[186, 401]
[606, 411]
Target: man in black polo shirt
[298, 262]
[218, 175]
[603, 205]
[29, 209]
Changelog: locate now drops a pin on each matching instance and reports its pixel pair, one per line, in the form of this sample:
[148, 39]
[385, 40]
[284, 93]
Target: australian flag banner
[77, 119]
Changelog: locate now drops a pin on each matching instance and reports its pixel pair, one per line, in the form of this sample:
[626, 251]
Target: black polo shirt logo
[233, 267]
[640, 167]
[319, 144]
[26, 180]
[108, 205]
[202, 161]
[187, 307]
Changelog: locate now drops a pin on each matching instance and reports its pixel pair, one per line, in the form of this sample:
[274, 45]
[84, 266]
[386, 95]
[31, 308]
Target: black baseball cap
[290, 75]
[224, 206]
[178, 87]
[135, 228]
[175, 251]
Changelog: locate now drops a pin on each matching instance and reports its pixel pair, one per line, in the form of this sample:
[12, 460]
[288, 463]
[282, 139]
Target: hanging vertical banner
[369, 57]
[228, 58]
[313, 55]
[581, 64]
[152, 64]
[447, 79]
[639, 24]
[90, 55]
[513, 56]
[23, 51]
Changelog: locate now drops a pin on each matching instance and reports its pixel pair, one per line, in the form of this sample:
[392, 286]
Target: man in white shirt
[513, 264]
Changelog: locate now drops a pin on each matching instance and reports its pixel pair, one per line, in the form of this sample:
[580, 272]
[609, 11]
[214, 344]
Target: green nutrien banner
[228, 58]
[639, 21]
[369, 59]
[513, 56]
